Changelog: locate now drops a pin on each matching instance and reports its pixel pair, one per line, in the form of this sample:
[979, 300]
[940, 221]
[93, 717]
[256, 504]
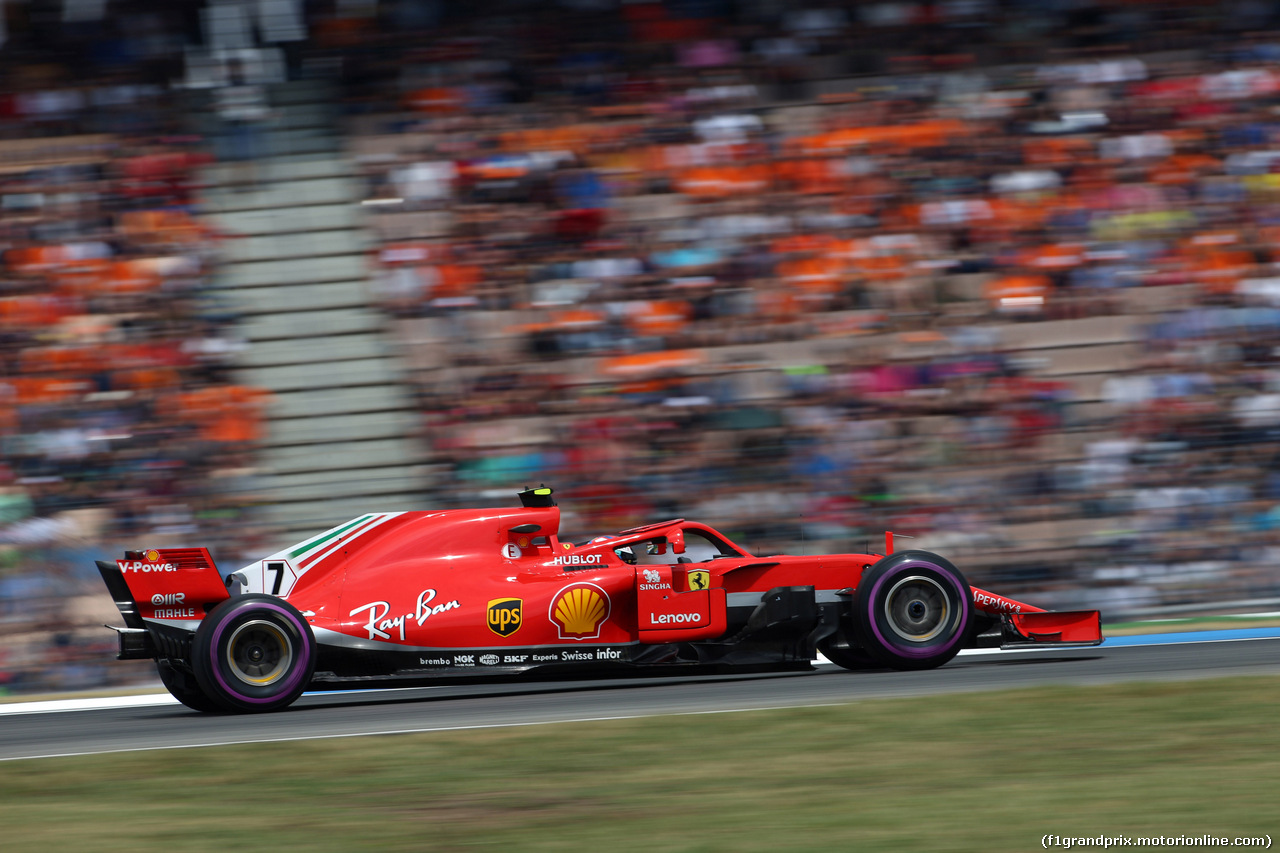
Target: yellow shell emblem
[579, 610]
[153, 555]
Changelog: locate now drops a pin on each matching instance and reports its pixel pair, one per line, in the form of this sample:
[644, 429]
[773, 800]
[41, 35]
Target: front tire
[253, 653]
[912, 610]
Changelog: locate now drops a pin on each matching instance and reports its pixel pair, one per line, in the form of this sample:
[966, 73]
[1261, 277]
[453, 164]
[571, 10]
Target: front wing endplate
[1057, 628]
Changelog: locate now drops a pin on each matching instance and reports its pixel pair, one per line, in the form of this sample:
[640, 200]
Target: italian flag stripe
[325, 537]
[364, 527]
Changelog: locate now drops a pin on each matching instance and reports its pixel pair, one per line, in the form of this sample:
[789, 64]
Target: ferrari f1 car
[407, 598]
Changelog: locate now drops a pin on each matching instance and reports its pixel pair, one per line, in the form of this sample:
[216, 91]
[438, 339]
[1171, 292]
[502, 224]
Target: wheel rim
[259, 653]
[917, 609]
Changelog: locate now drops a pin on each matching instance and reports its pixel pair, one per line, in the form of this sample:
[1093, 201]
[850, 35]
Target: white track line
[421, 730]
[142, 700]
[96, 703]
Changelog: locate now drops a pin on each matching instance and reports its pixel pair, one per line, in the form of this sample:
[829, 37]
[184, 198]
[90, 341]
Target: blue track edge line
[1194, 637]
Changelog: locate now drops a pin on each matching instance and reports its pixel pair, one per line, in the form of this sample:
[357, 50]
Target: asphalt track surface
[385, 712]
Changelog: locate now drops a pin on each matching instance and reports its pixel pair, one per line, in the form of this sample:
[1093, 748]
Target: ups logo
[503, 616]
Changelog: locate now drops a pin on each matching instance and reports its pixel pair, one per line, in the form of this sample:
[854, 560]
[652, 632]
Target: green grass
[964, 773]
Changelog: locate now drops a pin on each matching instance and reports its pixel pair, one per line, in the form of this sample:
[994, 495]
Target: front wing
[1023, 625]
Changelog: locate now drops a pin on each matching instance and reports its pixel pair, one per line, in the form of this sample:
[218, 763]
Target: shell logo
[579, 610]
[153, 555]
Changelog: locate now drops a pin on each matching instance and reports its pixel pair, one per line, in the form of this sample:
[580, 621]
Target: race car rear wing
[165, 588]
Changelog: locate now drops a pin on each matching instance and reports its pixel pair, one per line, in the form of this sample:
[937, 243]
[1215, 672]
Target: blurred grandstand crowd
[118, 419]
[999, 275]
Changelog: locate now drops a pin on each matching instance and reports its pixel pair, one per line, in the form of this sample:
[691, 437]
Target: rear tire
[254, 653]
[912, 610]
[184, 688]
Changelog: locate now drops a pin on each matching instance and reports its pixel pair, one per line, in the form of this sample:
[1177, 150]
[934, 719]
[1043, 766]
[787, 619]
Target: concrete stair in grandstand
[341, 438]
[315, 219]
[335, 265]
[298, 194]
[301, 325]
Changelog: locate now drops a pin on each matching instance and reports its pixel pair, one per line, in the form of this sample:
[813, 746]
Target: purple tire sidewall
[917, 651]
[283, 688]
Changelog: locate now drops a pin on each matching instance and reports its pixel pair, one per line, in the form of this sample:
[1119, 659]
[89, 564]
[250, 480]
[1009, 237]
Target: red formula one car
[485, 594]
